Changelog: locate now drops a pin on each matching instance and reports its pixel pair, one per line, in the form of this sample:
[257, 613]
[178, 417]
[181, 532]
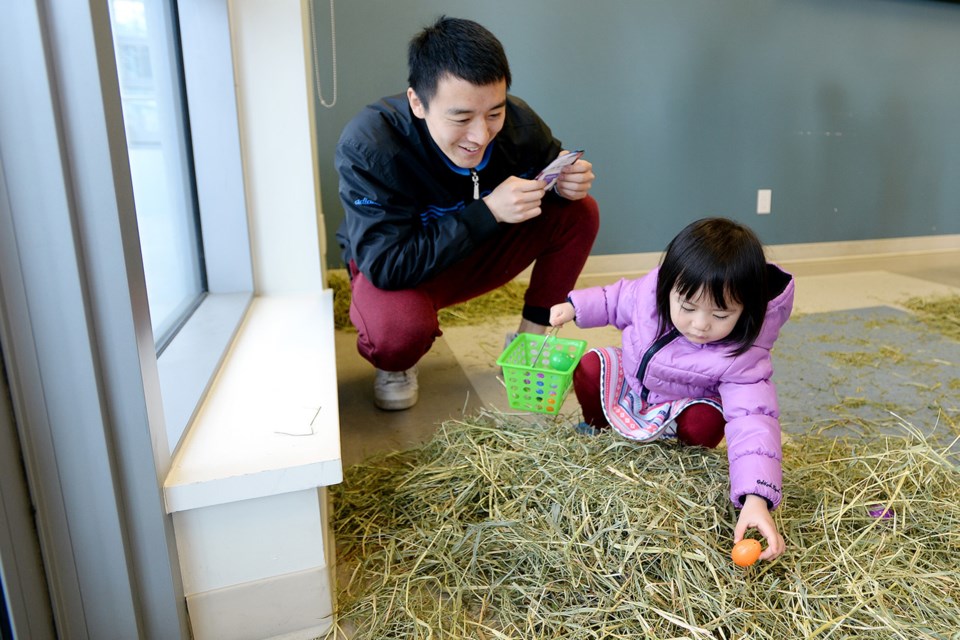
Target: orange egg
[746, 552]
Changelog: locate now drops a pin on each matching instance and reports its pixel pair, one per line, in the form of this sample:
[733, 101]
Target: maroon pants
[698, 424]
[396, 328]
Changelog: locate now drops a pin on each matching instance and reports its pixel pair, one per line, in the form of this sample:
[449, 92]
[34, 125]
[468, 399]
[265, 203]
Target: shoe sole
[396, 405]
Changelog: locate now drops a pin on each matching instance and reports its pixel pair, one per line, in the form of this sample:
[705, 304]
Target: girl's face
[700, 319]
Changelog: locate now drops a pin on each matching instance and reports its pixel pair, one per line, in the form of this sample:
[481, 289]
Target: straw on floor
[940, 313]
[506, 527]
[503, 301]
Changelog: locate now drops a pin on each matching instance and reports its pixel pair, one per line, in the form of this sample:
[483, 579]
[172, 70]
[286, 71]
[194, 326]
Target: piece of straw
[503, 301]
[941, 313]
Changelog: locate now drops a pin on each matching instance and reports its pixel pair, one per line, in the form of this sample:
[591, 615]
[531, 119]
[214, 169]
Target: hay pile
[499, 528]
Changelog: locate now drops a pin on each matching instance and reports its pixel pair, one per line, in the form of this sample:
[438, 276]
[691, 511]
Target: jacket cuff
[479, 220]
[769, 491]
[539, 315]
[572, 299]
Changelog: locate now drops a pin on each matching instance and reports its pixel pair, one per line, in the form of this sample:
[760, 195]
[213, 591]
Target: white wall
[275, 132]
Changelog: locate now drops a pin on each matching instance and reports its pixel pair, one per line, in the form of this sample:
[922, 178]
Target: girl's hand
[755, 515]
[561, 314]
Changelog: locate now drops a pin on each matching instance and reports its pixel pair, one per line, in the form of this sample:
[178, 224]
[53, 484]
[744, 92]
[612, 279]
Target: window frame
[77, 341]
[190, 360]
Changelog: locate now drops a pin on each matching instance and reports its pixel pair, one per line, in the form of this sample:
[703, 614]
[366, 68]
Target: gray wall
[849, 110]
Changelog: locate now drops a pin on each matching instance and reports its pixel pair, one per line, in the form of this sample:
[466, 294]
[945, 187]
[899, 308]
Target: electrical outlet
[764, 197]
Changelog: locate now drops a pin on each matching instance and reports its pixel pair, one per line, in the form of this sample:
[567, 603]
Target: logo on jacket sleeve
[365, 202]
[769, 485]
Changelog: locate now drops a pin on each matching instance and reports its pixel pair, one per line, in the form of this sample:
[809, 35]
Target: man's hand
[575, 180]
[755, 515]
[516, 200]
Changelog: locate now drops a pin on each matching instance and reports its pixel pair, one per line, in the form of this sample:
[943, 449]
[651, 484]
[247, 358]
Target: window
[146, 44]
[175, 72]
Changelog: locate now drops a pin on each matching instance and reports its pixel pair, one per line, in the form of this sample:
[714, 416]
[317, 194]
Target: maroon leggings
[396, 328]
[699, 424]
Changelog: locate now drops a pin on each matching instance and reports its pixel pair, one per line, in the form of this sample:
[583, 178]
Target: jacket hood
[782, 286]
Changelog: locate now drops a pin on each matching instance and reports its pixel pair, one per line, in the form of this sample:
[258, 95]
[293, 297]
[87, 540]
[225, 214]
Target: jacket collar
[461, 170]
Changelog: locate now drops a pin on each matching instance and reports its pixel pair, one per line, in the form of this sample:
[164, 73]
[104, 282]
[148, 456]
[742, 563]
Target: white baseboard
[625, 264]
[637, 263]
[294, 606]
[858, 249]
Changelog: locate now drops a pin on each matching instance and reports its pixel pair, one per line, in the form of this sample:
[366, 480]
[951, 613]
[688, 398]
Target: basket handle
[553, 334]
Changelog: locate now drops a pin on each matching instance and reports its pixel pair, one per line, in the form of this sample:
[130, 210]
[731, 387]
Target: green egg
[560, 361]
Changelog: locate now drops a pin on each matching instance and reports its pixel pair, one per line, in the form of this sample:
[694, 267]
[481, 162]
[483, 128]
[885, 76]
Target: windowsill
[189, 363]
[270, 421]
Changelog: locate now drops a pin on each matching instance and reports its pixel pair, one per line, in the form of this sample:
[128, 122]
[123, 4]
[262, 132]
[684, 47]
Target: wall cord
[333, 54]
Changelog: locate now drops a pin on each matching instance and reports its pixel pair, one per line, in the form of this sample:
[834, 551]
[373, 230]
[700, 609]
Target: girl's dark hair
[724, 259]
[461, 48]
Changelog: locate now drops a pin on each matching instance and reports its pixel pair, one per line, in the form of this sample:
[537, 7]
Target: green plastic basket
[534, 384]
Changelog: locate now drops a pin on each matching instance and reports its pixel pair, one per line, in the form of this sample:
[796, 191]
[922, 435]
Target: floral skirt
[627, 413]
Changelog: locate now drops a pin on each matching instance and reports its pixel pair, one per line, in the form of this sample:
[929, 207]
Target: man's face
[463, 119]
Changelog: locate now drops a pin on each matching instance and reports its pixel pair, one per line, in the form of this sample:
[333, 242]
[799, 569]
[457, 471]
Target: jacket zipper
[660, 343]
[476, 184]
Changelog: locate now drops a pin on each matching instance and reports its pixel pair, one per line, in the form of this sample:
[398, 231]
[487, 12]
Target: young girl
[695, 359]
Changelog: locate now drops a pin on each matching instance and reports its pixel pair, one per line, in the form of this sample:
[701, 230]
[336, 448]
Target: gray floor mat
[866, 367]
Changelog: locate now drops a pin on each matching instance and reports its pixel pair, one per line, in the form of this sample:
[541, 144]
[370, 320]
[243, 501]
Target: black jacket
[409, 212]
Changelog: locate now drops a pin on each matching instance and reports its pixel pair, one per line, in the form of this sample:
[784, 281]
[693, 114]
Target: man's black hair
[460, 48]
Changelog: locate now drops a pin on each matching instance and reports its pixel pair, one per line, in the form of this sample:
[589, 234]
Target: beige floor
[459, 375]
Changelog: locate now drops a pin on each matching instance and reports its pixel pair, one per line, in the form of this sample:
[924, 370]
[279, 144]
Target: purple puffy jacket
[682, 369]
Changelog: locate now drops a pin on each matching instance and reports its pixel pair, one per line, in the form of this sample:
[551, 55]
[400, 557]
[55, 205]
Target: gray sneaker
[395, 390]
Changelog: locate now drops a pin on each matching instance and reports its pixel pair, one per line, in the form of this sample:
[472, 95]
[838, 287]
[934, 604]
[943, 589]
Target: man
[442, 204]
